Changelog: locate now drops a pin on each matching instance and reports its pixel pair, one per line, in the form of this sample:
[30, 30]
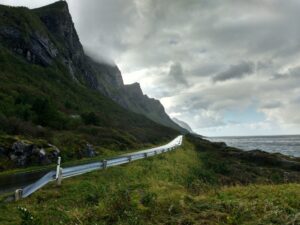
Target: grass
[103, 153]
[166, 189]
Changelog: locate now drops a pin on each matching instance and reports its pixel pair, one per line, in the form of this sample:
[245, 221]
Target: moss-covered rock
[19, 152]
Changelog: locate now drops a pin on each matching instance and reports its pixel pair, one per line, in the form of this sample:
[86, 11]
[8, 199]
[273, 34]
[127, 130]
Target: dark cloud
[237, 71]
[176, 73]
[207, 41]
[271, 105]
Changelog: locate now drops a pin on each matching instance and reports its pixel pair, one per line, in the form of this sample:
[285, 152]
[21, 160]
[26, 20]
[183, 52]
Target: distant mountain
[183, 124]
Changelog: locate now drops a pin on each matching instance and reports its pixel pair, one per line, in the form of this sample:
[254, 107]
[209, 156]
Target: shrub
[45, 111]
[90, 118]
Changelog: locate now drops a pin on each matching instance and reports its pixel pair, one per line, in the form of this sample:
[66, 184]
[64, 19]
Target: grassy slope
[20, 80]
[180, 187]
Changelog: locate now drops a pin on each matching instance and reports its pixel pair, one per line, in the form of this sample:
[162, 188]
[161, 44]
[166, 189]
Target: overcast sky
[226, 67]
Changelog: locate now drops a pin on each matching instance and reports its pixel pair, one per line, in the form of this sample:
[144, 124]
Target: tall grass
[175, 188]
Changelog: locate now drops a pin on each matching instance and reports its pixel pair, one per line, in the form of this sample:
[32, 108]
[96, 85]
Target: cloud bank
[227, 67]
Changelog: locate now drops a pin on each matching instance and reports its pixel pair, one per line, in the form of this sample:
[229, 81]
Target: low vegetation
[199, 183]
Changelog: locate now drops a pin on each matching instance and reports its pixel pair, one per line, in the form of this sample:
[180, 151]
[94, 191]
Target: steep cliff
[103, 77]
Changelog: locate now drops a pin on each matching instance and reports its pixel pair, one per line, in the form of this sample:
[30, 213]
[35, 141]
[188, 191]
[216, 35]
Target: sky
[226, 67]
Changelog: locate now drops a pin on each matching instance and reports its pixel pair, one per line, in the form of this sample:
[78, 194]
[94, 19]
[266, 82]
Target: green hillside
[43, 104]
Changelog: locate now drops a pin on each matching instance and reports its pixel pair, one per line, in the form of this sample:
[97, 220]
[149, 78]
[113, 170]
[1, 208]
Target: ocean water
[287, 145]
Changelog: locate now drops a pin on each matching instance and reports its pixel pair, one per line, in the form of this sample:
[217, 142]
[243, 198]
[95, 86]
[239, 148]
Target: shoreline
[269, 144]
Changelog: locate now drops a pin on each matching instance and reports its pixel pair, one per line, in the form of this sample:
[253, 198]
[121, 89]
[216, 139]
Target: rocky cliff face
[47, 36]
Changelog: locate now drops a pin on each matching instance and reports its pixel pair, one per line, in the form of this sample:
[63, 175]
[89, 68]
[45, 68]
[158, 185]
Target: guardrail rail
[63, 173]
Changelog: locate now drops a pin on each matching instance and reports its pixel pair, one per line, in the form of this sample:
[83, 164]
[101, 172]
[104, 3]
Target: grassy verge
[104, 153]
[186, 186]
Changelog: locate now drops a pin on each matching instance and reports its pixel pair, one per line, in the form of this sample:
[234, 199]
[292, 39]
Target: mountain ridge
[100, 76]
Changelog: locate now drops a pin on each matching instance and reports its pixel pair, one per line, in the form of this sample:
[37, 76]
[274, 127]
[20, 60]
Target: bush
[44, 111]
[90, 118]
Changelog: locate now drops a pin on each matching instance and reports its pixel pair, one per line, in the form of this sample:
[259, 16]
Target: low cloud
[237, 71]
[271, 105]
[176, 73]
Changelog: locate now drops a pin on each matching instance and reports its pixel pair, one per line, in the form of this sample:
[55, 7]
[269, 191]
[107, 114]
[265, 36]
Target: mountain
[51, 90]
[52, 37]
[183, 124]
[103, 77]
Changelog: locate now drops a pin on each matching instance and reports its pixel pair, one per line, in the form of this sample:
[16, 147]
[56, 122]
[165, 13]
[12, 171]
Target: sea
[286, 144]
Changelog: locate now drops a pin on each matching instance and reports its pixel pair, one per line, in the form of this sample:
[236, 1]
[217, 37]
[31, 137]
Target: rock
[89, 151]
[43, 158]
[53, 152]
[28, 56]
[76, 116]
[3, 151]
[20, 148]
[42, 152]
[21, 152]
[43, 50]
[19, 51]
[219, 145]
[24, 154]
[267, 159]
[10, 32]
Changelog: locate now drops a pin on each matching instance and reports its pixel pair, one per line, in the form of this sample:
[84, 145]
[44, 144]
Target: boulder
[52, 152]
[23, 153]
[20, 153]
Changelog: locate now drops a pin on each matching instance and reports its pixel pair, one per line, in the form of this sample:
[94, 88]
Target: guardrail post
[129, 158]
[18, 194]
[59, 178]
[58, 167]
[104, 164]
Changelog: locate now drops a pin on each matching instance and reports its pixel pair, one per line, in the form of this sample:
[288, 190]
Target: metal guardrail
[63, 173]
